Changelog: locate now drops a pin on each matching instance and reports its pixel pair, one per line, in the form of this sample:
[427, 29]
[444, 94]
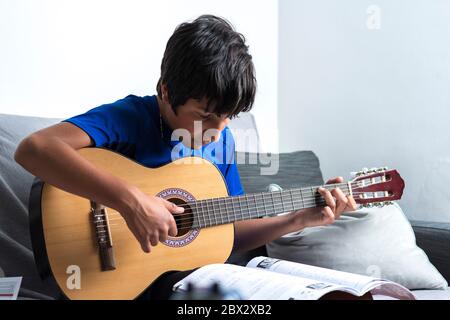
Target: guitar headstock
[377, 187]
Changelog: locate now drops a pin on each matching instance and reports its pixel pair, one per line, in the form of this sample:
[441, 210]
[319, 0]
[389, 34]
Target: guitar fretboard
[218, 211]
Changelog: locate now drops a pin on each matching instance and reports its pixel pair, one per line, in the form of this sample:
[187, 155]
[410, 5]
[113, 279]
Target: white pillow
[378, 242]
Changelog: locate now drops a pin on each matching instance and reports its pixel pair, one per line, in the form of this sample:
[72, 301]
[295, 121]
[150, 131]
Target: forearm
[251, 234]
[58, 164]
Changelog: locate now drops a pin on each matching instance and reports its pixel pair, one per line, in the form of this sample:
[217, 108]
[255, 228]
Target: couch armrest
[434, 239]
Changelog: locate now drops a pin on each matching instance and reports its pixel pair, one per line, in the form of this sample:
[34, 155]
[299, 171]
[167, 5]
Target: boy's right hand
[150, 219]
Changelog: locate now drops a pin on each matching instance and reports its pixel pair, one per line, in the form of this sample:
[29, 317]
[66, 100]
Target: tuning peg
[359, 173]
[377, 204]
[366, 171]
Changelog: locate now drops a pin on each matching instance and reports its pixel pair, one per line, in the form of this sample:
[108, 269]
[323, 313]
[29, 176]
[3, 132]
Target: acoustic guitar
[91, 254]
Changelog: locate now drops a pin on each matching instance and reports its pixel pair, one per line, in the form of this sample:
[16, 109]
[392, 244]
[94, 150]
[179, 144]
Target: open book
[273, 279]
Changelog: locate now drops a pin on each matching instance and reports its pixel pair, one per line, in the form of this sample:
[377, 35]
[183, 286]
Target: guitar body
[65, 242]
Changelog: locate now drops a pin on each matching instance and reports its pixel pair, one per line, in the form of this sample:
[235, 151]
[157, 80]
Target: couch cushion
[434, 239]
[16, 255]
[422, 295]
[371, 241]
[295, 169]
[432, 294]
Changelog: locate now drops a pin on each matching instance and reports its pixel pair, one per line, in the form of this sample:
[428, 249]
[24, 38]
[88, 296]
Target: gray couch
[296, 169]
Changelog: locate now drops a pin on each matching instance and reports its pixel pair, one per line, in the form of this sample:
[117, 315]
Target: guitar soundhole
[183, 220]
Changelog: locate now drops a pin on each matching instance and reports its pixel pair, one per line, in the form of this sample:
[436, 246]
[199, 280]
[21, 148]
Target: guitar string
[188, 227]
[287, 193]
[242, 217]
[210, 217]
[206, 203]
[202, 205]
[206, 212]
[298, 190]
[179, 228]
[278, 195]
[290, 193]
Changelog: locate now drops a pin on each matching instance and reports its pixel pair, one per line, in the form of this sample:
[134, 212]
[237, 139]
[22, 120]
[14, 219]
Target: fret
[225, 213]
[286, 201]
[230, 211]
[199, 212]
[313, 196]
[207, 211]
[242, 209]
[301, 196]
[248, 207]
[204, 213]
[282, 201]
[273, 204]
[347, 189]
[234, 208]
[350, 190]
[256, 205]
[195, 213]
[264, 204]
[292, 200]
[222, 212]
[214, 209]
[211, 213]
[221, 208]
[220, 215]
[344, 189]
[244, 197]
[233, 212]
[216, 221]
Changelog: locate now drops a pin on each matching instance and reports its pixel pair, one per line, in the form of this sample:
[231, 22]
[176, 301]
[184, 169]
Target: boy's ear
[165, 93]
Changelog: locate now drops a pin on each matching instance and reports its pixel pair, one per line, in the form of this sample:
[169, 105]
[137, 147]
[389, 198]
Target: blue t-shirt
[132, 127]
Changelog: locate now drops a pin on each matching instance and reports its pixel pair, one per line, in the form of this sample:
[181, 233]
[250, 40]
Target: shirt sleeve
[111, 124]
[232, 177]
[233, 181]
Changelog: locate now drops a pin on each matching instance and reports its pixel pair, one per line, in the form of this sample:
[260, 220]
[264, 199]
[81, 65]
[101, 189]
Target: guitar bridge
[103, 236]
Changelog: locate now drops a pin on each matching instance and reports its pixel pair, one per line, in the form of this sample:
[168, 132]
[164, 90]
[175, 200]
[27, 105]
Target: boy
[207, 75]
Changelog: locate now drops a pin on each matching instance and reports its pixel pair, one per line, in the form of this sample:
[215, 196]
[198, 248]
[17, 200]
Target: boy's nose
[217, 126]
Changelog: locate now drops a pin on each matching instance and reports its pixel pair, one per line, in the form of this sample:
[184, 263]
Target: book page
[9, 288]
[254, 284]
[354, 283]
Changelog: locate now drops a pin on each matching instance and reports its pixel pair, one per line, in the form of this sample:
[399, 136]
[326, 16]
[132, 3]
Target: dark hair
[208, 59]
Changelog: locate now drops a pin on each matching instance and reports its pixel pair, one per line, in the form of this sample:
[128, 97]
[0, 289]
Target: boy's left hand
[337, 203]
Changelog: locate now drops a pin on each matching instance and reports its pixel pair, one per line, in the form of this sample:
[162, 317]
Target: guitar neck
[218, 211]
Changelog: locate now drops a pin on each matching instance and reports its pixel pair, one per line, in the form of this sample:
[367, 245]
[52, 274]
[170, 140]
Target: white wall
[357, 97]
[59, 57]
[364, 97]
